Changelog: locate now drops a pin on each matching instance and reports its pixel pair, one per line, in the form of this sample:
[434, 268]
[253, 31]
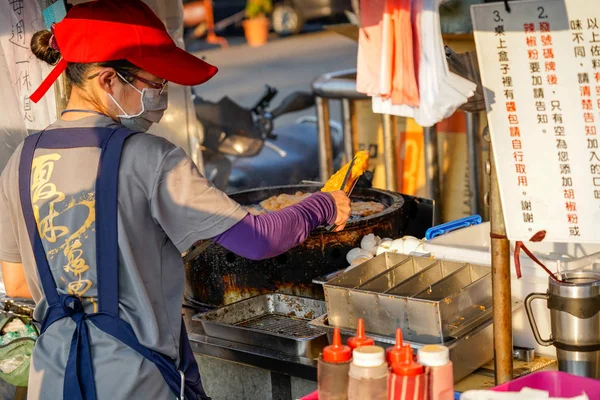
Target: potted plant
[256, 25]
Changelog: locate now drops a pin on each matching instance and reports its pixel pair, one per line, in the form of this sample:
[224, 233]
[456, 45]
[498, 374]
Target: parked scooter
[242, 149]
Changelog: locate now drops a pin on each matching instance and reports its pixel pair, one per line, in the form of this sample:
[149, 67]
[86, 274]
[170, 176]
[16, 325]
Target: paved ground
[288, 64]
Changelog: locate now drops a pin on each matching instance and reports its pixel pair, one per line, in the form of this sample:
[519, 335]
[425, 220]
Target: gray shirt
[165, 206]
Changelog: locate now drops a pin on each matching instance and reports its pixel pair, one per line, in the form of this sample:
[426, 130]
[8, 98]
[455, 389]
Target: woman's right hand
[342, 207]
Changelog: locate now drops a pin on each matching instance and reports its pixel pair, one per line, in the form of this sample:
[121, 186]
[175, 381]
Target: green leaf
[256, 8]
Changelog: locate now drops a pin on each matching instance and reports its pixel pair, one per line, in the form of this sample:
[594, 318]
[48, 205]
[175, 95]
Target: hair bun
[42, 48]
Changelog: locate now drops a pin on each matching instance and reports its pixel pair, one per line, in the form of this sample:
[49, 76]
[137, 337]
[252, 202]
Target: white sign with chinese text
[19, 20]
[540, 69]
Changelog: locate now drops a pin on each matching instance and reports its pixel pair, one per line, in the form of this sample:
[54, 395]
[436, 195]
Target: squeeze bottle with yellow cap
[368, 374]
[360, 339]
[441, 376]
[333, 368]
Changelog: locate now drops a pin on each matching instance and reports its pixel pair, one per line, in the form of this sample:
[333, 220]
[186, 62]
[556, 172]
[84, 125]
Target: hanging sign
[540, 69]
[20, 19]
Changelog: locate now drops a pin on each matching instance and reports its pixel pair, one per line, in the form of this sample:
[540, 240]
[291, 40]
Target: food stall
[282, 348]
[469, 286]
[258, 328]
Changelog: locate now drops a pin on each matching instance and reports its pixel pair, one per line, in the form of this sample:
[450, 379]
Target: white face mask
[154, 103]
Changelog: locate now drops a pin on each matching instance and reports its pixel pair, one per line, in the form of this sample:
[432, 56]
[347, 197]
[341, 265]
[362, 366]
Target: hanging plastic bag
[441, 92]
[16, 346]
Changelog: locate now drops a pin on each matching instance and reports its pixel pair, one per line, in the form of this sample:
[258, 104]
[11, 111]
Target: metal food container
[274, 321]
[432, 301]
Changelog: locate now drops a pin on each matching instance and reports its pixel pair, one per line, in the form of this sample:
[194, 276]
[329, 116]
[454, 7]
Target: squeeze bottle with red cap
[333, 368]
[441, 376]
[360, 339]
[407, 380]
[394, 353]
[368, 374]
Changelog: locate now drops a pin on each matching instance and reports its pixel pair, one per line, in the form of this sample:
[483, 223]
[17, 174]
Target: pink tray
[314, 396]
[558, 384]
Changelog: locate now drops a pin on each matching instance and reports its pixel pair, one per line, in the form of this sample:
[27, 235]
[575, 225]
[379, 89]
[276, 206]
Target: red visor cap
[106, 30]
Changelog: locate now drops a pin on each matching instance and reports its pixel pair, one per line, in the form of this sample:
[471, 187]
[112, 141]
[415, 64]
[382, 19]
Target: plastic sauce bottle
[368, 374]
[360, 339]
[333, 369]
[407, 380]
[394, 353]
[441, 375]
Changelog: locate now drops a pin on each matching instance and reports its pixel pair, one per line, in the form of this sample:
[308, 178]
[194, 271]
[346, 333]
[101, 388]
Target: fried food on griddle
[366, 208]
[279, 202]
[276, 203]
[254, 210]
[361, 163]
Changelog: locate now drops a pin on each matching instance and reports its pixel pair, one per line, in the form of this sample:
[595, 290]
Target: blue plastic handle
[452, 226]
[457, 396]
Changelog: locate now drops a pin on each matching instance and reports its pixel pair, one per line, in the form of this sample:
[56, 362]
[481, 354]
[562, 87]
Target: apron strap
[107, 245]
[46, 278]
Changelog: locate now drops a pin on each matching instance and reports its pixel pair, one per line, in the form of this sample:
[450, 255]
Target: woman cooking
[94, 214]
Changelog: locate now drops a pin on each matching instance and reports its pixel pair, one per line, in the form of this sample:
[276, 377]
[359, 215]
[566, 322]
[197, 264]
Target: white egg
[397, 246]
[386, 240]
[361, 259]
[410, 244]
[370, 243]
[364, 253]
[420, 248]
[352, 254]
[384, 247]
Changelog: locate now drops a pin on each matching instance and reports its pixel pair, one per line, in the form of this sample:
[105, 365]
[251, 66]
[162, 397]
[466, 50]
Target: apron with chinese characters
[79, 382]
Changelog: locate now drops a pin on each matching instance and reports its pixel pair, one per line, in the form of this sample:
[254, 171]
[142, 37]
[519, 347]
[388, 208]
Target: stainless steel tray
[432, 301]
[468, 352]
[273, 321]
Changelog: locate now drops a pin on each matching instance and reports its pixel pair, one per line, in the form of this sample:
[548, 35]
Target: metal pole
[354, 122]
[389, 152]
[474, 161]
[432, 171]
[324, 139]
[503, 343]
[401, 137]
[348, 130]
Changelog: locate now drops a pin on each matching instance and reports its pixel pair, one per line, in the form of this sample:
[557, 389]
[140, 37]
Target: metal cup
[574, 303]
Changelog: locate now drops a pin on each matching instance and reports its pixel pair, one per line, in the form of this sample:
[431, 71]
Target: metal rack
[341, 85]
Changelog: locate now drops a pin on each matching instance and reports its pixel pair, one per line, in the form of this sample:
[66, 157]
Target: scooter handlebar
[296, 101]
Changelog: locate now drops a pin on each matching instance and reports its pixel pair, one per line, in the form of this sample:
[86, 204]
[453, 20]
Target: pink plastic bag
[558, 384]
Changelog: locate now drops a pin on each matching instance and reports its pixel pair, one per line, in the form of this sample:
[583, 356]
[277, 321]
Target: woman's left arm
[257, 237]
[189, 209]
[14, 280]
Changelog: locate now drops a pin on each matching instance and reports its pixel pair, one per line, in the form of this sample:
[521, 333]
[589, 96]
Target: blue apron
[79, 382]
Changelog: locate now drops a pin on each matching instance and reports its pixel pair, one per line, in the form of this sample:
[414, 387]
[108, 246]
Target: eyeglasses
[127, 74]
